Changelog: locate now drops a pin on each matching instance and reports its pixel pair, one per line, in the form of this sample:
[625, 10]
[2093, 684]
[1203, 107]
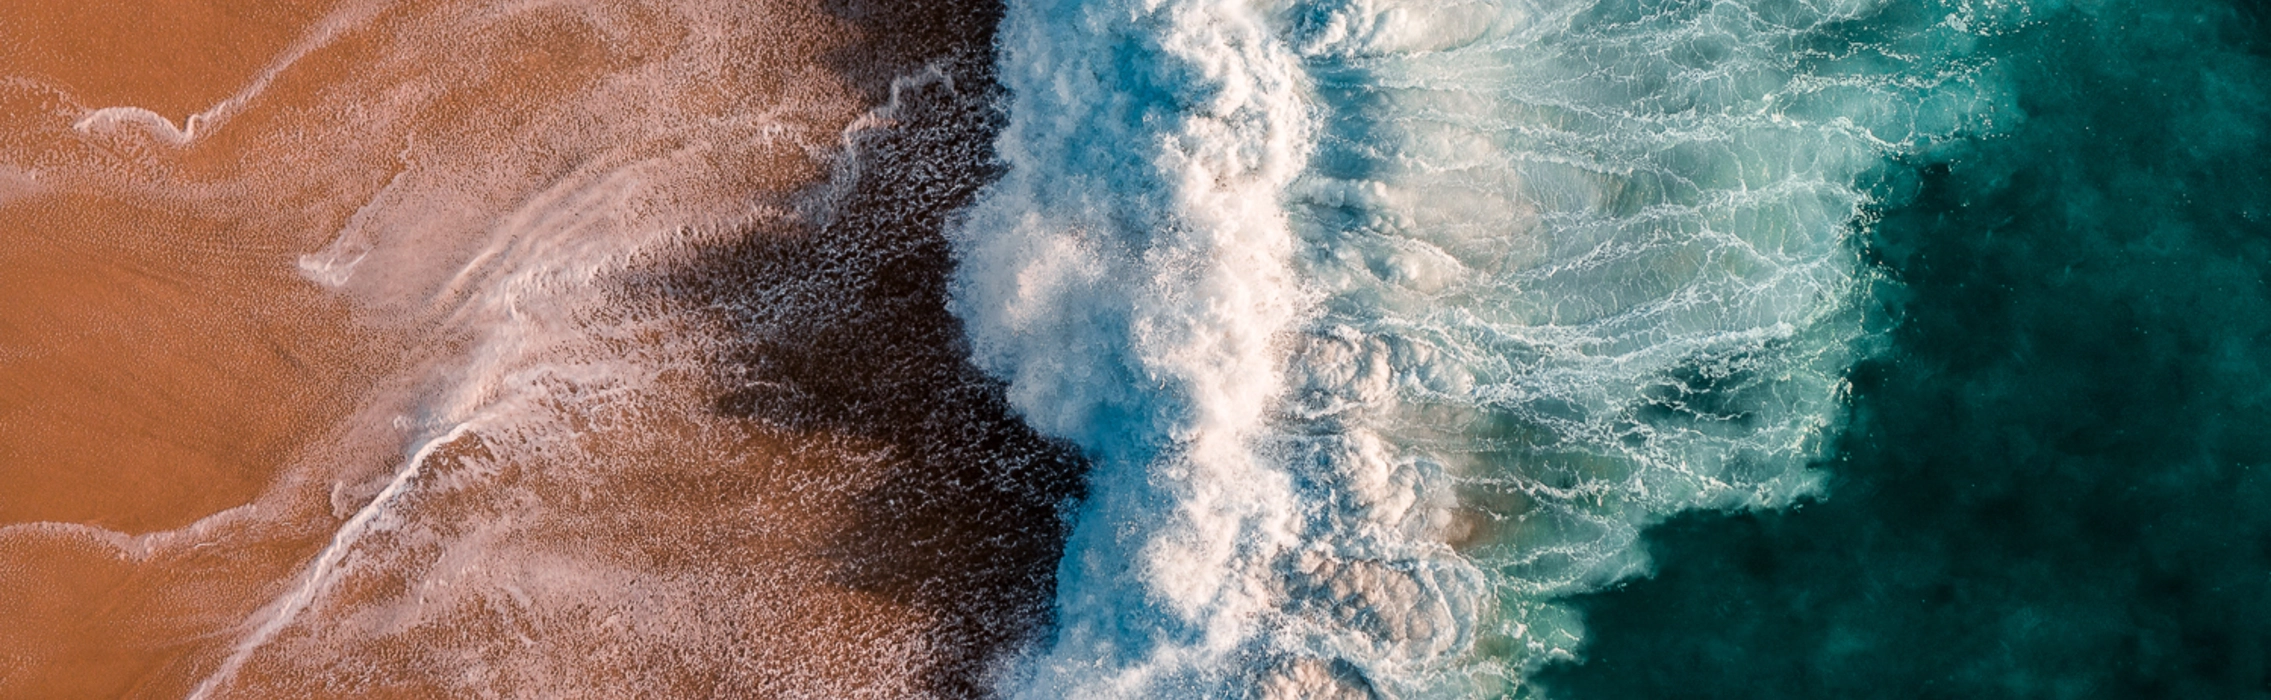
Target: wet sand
[142, 393]
[573, 233]
[173, 57]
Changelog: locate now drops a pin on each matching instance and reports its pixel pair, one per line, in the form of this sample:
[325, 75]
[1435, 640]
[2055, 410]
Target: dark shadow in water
[901, 37]
[842, 328]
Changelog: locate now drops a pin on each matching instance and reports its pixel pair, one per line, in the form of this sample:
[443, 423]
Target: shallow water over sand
[436, 349]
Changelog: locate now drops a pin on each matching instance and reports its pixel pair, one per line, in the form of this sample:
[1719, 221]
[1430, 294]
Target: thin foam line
[338, 22]
[319, 574]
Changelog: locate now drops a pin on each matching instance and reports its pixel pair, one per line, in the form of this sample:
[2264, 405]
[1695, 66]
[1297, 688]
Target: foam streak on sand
[534, 241]
[110, 119]
[281, 613]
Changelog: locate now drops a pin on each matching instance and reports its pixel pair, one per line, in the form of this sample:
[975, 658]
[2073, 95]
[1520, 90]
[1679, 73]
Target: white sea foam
[18, 183]
[1131, 276]
[506, 251]
[111, 120]
[319, 573]
[523, 297]
[1548, 272]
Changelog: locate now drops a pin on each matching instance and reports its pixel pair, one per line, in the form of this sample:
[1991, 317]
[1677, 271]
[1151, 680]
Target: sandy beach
[402, 350]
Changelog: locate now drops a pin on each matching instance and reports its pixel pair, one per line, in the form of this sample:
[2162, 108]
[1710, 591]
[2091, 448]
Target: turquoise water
[1391, 328]
[2055, 479]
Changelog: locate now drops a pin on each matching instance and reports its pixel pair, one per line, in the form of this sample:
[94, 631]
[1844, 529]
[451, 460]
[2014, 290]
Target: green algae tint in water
[2056, 479]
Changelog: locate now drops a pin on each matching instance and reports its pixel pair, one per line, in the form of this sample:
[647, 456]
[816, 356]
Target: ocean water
[2052, 484]
[1135, 349]
[1391, 328]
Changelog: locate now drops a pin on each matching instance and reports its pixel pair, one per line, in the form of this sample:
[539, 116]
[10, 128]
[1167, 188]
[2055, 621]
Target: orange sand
[164, 359]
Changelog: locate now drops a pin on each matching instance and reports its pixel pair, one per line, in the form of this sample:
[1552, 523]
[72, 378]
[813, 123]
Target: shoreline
[538, 229]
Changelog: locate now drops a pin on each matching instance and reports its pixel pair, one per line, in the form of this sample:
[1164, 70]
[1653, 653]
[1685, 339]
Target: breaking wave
[1387, 324]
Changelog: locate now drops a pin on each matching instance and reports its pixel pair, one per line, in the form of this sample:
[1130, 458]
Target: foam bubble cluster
[1547, 272]
[1130, 275]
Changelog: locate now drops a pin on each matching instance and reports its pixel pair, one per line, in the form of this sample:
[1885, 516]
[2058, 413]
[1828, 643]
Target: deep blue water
[2055, 480]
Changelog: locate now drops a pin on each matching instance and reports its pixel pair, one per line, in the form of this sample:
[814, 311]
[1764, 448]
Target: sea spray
[1130, 275]
[1390, 324]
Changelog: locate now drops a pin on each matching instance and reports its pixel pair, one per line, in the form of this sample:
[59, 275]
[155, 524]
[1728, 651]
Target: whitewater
[1388, 325]
[1121, 349]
